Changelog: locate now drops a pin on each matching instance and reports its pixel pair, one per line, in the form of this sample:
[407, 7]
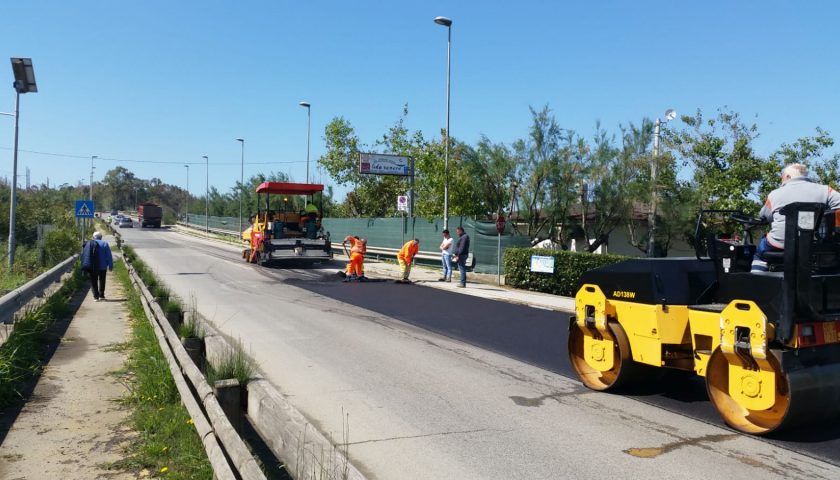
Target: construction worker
[310, 212]
[355, 268]
[406, 256]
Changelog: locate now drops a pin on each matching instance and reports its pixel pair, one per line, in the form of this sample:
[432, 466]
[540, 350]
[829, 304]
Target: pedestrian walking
[355, 267]
[406, 256]
[96, 260]
[462, 251]
[447, 246]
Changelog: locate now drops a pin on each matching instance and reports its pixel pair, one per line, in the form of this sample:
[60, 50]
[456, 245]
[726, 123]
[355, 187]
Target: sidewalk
[74, 425]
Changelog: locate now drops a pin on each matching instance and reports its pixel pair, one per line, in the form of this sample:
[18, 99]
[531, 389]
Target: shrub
[568, 268]
[60, 244]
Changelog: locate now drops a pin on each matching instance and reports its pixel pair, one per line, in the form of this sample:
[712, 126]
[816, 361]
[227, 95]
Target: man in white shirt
[446, 248]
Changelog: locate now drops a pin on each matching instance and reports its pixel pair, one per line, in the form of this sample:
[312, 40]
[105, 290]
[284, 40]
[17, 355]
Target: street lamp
[308, 108]
[24, 83]
[187, 208]
[670, 114]
[207, 196]
[92, 158]
[446, 22]
[241, 180]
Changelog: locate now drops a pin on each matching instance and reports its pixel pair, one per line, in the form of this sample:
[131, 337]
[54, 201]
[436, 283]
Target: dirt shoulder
[73, 425]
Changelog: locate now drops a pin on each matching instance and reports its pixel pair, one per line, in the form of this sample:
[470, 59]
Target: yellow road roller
[767, 343]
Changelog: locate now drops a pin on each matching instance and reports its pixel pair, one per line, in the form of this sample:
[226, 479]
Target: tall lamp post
[241, 180]
[90, 192]
[207, 196]
[187, 202]
[308, 108]
[446, 22]
[669, 115]
[24, 83]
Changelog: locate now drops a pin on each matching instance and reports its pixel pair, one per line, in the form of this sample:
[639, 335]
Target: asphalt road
[539, 337]
[442, 385]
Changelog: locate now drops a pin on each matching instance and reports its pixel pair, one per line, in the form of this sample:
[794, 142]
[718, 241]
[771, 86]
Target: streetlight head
[187, 166]
[305, 104]
[205, 157]
[446, 22]
[94, 156]
[670, 114]
[240, 140]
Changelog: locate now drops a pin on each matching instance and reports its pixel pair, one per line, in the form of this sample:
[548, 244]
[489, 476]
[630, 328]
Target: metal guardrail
[13, 301]
[216, 231]
[430, 256]
[220, 439]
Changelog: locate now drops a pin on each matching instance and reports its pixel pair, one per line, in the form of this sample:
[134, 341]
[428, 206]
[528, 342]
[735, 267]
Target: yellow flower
[190, 422]
[164, 449]
[164, 469]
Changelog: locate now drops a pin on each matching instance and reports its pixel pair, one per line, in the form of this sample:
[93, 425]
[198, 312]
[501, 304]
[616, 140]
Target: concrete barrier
[306, 452]
[12, 302]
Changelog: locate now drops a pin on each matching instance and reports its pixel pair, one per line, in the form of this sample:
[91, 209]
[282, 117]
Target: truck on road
[149, 214]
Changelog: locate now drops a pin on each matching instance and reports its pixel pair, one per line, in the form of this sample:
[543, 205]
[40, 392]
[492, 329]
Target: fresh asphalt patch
[539, 337]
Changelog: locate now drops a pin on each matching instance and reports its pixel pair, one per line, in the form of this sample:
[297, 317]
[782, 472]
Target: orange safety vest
[356, 246]
[408, 251]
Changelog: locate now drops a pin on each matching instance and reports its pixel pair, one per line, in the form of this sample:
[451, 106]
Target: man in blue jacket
[97, 261]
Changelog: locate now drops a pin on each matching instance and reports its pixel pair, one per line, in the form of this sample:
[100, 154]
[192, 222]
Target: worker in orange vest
[355, 268]
[406, 256]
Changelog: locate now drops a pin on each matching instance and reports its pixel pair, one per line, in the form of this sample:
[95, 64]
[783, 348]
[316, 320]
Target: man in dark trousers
[97, 260]
[462, 251]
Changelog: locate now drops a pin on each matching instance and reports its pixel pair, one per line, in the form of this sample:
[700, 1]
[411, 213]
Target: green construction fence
[394, 232]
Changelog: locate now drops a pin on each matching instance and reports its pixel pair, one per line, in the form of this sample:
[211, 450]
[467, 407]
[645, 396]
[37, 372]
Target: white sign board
[378, 164]
[402, 203]
[541, 264]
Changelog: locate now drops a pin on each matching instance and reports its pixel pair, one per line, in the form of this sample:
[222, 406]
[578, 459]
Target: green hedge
[568, 268]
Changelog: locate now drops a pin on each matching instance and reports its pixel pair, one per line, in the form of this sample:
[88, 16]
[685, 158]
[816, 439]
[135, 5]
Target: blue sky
[170, 81]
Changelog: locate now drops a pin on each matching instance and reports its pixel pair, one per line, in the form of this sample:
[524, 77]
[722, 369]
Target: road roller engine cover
[767, 343]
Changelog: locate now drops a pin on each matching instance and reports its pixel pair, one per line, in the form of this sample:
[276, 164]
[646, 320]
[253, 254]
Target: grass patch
[234, 363]
[21, 357]
[168, 440]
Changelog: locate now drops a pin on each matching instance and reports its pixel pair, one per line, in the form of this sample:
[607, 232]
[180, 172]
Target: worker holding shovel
[355, 268]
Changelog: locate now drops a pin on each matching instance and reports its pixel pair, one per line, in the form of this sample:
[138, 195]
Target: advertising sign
[542, 264]
[379, 164]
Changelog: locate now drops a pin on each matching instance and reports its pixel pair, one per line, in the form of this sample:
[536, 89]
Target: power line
[87, 157]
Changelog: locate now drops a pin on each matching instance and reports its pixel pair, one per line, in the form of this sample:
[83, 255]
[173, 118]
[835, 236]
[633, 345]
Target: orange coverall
[357, 256]
[406, 256]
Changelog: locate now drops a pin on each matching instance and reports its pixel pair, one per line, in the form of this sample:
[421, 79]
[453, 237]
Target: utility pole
[652, 210]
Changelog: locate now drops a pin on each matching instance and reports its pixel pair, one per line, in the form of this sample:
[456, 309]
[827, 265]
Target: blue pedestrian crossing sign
[84, 208]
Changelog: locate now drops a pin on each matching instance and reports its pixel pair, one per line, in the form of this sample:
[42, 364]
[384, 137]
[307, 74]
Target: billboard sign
[379, 164]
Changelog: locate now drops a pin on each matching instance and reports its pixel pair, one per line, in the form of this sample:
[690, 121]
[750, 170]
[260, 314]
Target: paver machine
[279, 231]
[767, 343]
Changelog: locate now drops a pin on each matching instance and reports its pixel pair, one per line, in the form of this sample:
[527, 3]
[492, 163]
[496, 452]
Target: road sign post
[84, 211]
